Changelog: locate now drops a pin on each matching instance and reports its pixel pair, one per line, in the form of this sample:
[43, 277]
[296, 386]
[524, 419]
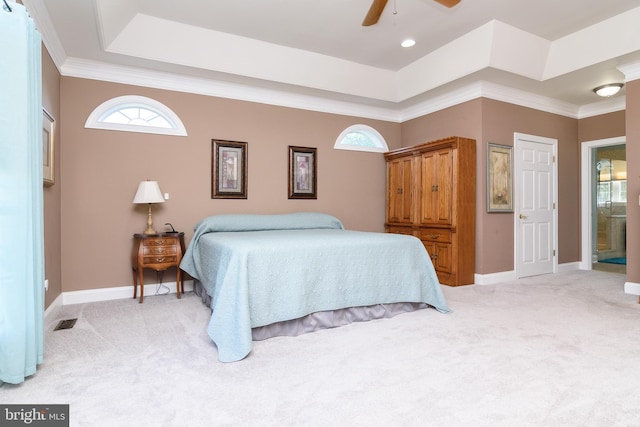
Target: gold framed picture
[48, 155]
[499, 178]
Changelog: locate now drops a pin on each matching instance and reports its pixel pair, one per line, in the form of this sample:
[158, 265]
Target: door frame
[586, 192]
[516, 207]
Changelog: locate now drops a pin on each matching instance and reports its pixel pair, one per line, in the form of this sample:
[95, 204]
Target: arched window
[361, 138]
[134, 113]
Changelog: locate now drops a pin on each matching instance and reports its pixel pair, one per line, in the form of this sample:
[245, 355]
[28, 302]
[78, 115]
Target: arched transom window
[361, 138]
[134, 113]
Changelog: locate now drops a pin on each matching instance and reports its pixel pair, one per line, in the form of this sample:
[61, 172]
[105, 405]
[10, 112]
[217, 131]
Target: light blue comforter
[262, 275]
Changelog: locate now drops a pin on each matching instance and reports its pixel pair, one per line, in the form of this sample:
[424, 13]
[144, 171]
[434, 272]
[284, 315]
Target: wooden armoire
[431, 194]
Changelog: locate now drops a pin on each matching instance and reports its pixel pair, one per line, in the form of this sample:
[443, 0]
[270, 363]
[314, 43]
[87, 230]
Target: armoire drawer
[399, 230]
[435, 235]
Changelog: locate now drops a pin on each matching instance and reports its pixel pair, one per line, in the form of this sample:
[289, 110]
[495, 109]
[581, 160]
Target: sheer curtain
[21, 205]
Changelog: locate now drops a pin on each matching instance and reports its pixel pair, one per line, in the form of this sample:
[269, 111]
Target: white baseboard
[508, 276]
[632, 288]
[569, 266]
[493, 278]
[121, 292]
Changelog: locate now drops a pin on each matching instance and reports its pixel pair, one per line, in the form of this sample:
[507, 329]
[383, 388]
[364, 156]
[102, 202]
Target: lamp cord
[160, 285]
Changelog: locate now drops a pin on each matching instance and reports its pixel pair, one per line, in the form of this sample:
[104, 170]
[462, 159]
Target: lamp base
[150, 229]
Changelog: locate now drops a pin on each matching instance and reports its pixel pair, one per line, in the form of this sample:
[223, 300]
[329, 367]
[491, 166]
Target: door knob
[523, 216]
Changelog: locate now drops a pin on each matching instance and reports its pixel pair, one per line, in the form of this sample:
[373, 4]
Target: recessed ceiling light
[408, 43]
[608, 89]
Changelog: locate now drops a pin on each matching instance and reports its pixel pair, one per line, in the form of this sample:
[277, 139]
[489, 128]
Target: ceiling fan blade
[448, 3]
[374, 12]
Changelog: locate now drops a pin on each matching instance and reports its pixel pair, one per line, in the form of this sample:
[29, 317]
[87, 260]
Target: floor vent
[65, 324]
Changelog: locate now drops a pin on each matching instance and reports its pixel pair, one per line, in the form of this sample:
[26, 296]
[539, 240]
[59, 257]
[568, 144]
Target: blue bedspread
[261, 276]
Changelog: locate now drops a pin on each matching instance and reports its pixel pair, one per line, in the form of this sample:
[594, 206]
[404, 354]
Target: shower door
[611, 203]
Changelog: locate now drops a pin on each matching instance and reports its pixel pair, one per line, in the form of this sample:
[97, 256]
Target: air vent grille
[65, 324]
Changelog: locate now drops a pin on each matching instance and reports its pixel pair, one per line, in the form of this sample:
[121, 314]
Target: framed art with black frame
[228, 169]
[303, 176]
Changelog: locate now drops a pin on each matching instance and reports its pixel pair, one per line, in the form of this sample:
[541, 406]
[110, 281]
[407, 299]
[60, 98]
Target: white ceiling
[547, 54]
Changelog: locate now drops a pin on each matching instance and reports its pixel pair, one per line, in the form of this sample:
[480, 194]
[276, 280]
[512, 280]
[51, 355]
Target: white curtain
[21, 205]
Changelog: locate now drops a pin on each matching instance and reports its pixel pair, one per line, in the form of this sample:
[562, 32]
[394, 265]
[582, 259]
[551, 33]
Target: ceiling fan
[378, 6]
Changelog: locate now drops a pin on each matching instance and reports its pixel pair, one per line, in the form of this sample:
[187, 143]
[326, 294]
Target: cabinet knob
[160, 259]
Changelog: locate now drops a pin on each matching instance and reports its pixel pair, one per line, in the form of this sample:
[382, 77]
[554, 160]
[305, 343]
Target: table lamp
[148, 192]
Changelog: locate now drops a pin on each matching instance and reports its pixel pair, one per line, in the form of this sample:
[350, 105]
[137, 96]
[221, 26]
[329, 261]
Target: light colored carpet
[558, 350]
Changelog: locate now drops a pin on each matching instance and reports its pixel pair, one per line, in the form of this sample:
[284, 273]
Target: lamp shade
[608, 89]
[148, 192]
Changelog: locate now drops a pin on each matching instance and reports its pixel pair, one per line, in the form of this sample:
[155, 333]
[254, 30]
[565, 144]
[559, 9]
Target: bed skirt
[322, 319]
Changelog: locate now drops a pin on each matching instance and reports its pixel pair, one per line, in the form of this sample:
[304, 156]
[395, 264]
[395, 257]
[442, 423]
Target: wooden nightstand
[158, 252]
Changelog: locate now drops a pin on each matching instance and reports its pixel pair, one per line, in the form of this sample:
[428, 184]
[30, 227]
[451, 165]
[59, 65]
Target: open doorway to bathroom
[609, 208]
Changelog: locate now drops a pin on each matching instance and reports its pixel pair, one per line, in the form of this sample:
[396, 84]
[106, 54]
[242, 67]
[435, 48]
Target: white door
[535, 208]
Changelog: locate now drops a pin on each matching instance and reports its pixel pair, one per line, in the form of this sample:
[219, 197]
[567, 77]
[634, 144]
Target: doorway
[604, 194]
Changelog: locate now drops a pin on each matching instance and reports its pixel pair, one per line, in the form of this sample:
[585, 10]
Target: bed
[263, 273]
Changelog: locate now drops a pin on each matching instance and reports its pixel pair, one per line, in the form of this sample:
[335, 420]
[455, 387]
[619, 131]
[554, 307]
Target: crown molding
[528, 99]
[630, 70]
[94, 70]
[440, 102]
[484, 89]
[550, 105]
[603, 107]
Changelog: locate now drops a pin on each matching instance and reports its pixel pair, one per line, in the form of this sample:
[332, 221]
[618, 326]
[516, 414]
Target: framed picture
[48, 158]
[302, 173]
[228, 169]
[499, 178]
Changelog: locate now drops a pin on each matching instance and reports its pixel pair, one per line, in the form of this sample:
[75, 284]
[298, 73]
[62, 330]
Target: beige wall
[602, 127]
[632, 127]
[463, 120]
[51, 196]
[100, 171]
[500, 122]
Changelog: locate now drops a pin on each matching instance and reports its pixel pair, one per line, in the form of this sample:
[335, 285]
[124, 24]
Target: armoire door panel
[400, 191]
[428, 168]
[407, 190]
[443, 180]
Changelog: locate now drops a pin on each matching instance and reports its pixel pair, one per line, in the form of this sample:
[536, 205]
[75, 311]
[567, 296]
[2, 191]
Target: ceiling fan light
[608, 89]
[408, 43]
